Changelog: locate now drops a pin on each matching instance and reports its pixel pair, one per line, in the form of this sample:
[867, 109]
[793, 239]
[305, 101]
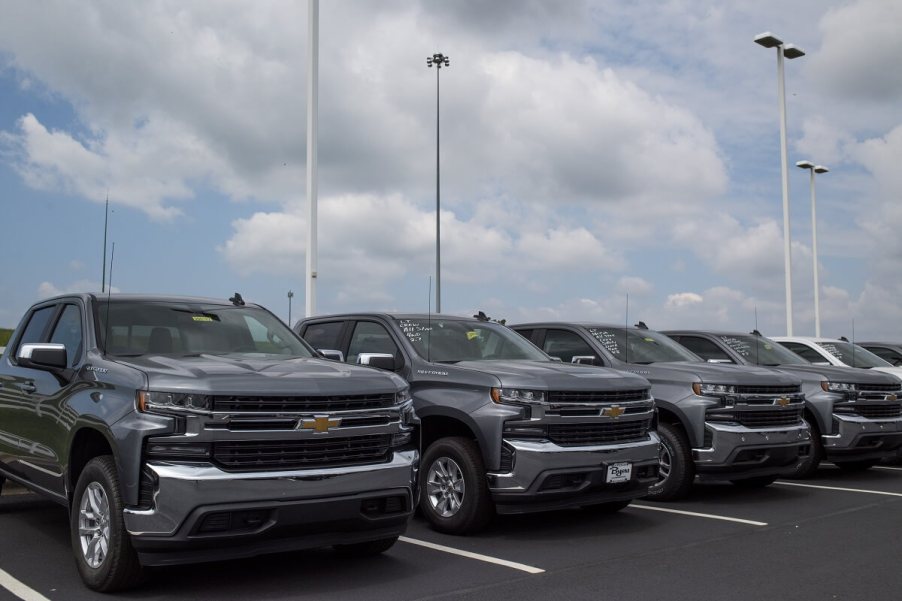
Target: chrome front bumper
[861, 438]
[539, 466]
[321, 501]
[739, 450]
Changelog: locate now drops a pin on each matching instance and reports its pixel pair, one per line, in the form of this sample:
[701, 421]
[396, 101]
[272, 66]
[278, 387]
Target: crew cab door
[34, 417]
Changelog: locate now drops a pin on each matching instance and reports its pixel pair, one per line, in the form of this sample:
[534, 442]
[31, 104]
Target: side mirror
[583, 359]
[331, 354]
[727, 361]
[380, 360]
[47, 357]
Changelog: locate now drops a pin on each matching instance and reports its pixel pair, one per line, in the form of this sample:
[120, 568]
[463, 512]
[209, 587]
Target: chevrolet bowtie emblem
[613, 411]
[890, 397]
[319, 424]
[782, 401]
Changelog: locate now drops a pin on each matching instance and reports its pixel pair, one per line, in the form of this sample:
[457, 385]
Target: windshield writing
[456, 340]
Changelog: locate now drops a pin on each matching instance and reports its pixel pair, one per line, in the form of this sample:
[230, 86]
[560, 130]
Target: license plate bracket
[618, 472]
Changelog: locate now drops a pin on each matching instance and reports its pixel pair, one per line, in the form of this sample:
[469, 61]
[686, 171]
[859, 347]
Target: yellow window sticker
[471, 335]
[201, 318]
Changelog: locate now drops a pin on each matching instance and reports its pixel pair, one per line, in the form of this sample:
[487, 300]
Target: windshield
[761, 351]
[453, 340]
[853, 355]
[632, 345]
[181, 329]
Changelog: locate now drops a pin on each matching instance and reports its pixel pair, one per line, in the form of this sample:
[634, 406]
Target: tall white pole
[817, 310]
[787, 249]
[312, 117]
[438, 204]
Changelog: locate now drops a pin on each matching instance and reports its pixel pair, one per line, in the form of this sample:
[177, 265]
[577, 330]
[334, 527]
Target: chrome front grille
[597, 396]
[252, 455]
[600, 433]
[301, 404]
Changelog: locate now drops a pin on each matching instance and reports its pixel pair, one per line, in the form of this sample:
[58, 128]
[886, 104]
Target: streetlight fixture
[290, 296]
[814, 169]
[439, 60]
[769, 40]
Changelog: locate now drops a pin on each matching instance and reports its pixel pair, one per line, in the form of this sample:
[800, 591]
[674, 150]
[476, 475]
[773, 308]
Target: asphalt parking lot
[836, 536]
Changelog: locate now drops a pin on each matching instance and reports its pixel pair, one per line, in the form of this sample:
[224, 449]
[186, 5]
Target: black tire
[859, 465]
[758, 482]
[366, 549]
[676, 478]
[118, 568]
[475, 508]
[606, 508]
[808, 466]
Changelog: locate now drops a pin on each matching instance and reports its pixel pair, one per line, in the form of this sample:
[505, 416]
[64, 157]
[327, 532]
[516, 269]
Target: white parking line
[477, 556]
[841, 489]
[694, 514]
[20, 590]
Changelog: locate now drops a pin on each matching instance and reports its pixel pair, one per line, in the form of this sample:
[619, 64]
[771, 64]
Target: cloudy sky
[590, 151]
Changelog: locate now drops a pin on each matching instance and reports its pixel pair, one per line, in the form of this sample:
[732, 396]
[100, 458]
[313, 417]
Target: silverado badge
[614, 411]
[319, 424]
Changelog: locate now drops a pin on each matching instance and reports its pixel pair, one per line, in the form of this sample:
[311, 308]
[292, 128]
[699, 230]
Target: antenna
[109, 293]
[626, 322]
[429, 322]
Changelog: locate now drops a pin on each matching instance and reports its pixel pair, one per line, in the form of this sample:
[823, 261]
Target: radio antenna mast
[109, 292]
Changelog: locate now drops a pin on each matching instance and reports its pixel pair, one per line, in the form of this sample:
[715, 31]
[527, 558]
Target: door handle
[27, 387]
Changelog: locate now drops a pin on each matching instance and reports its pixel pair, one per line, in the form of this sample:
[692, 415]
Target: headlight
[715, 390]
[518, 396]
[838, 387]
[149, 401]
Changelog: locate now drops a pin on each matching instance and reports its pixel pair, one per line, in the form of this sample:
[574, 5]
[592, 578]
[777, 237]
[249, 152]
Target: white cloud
[49, 289]
[684, 299]
[860, 52]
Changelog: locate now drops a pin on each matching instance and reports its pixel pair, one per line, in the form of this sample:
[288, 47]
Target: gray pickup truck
[504, 427]
[716, 422]
[855, 414]
[189, 429]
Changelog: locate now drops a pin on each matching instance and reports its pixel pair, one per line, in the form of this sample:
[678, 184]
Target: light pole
[312, 126]
[439, 60]
[290, 296]
[768, 40]
[106, 221]
[814, 169]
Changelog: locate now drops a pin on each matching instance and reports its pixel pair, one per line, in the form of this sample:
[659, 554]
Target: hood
[551, 375]
[895, 371]
[715, 373]
[240, 375]
[838, 374]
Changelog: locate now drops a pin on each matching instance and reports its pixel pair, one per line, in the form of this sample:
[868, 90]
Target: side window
[566, 345]
[704, 348]
[525, 333]
[324, 335]
[886, 354]
[68, 332]
[37, 325]
[370, 337]
[805, 352]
